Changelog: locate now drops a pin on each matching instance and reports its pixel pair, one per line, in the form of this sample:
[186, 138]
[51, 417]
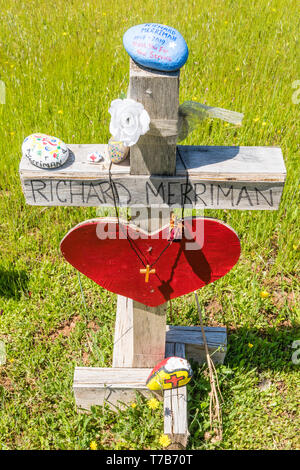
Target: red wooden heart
[100, 249]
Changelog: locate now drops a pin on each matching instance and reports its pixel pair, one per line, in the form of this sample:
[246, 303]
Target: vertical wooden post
[140, 334]
[175, 406]
[155, 152]
[140, 331]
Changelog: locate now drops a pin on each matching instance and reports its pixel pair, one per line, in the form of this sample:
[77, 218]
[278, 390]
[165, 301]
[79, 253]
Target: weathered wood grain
[175, 406]
[155, 152]
[191, 336]
[207, 162]
[139, 339]
[149, 334]
[115, 386]
[249, 178]
[123, 336]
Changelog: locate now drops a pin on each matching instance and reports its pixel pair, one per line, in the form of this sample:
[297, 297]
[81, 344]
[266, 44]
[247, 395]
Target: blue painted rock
[45, 151]
[156, 46]
[172, 372]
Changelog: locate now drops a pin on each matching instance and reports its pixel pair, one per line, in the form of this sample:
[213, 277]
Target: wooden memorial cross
[211, 177]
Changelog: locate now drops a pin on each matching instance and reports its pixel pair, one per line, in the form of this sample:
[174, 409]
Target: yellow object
[164, 440]
[153, 403]
[117, 150]
[147, 272]
[172, 372]
[264, 294]
[93, 445]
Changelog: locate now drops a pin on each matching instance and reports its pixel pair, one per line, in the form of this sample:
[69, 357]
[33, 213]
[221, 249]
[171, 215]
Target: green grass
[68, 56]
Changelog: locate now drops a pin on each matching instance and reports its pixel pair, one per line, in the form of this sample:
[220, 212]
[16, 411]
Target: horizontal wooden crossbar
[115, 386]
[191, 337]
[206, 177]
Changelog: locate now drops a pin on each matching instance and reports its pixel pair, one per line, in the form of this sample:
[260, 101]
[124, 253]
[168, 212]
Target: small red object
[174, 380]
[100, 249]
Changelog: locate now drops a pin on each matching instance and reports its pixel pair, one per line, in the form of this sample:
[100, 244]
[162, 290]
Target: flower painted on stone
[45, 151]
[129, 120]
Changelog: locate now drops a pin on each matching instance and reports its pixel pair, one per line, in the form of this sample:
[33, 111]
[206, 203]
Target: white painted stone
[45, 151]
[94, 157]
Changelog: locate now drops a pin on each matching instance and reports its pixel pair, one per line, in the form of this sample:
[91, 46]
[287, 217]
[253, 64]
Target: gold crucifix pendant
[147, 272]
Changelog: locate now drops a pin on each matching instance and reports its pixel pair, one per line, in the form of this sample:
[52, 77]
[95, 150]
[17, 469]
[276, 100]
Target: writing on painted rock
[156, 46]
[147, 192]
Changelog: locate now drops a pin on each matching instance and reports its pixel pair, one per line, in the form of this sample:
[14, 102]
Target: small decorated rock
[117, 150]
[156, 46]
[45, 151]
[94, 157]
[172, 372]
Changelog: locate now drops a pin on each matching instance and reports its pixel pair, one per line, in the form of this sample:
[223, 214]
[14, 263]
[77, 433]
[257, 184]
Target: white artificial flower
[129, 120]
